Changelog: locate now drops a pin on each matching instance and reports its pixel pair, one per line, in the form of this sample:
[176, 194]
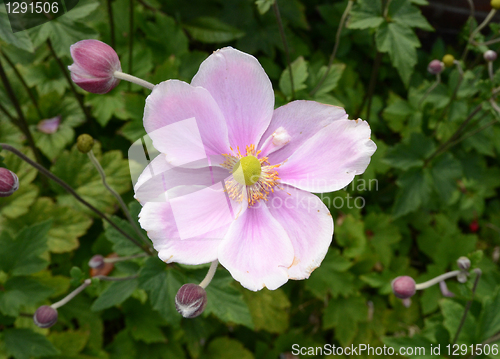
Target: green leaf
[401, 43]
[104, 107]
[20, 39]
[22, 291]
[350, 235]
[489, 322]
[366, 14]
[269, 309]
[162, 286]
[452, 313]
[47, 77]
[299, 72]
[412, 153]
[227, 303]
[24, 344]
[121, 245]
[227, 348]
[332, 79]
[76, 170]
[211, 30]
[115, 294]
[445, 174]
[52, 144]
[397, 112]
[414, 190]
[264, 5]
[81, 10]
[405, 14]
[70, 342]
[344, 314]
[383, 234]
[416, 341]
[21, 255]
[142, 322]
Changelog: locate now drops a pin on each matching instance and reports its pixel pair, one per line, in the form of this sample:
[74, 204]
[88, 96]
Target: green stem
[111, 23]
[371, 87]
[21, 123]
[467, 307]
[115, 194]
[285, 44]
[71, 191]
[131, 39]
[7, 113]
[335, 47]
[68, 79]
[25, 85]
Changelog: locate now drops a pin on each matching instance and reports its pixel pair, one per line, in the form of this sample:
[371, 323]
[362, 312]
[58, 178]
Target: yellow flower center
[247, 170]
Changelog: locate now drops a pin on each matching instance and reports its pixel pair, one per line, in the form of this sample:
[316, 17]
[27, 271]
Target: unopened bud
[462, 277]
[490, 55]
[404, 287]
[463, 263]
[94, 66]
[45, 316]
[191, 300]
[435, 67]
[9, 183]
[96, 261]
[84, 143]
[495, 4]
[448, 60]
[50, 125]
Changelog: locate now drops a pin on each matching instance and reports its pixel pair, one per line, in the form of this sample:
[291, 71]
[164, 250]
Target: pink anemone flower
[233, 176]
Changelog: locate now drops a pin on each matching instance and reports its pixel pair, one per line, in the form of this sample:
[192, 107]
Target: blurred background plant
[429, 196]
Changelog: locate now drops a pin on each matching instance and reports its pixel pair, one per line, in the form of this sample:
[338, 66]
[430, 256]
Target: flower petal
[158, 219]
[330, 159]
[301, 120]
[243, 91]
[309, 226]
[257, 250]
[159, 176]
[185, 122]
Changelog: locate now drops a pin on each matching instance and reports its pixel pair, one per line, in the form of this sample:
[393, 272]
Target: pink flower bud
[191, 300]
[94, 66]
[490, 55]
[463, 263]
[50, 125]
[435, 67]
[45, 316]
[9, 183]
[96, 262]
[404, 287]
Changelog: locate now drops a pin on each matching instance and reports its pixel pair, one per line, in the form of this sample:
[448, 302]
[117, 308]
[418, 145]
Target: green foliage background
[420, 200]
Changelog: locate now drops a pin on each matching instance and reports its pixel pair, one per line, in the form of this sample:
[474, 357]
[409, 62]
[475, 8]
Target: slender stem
[68, 79]
[434, 85]
[7, 113]
[438, 279]
[111, 22]
[371, 86]
[115, 194]
[126, 77]
[130, 38]
[25, 85]
[84, 285]
[335, 47]
[483, 24]
[121, 259]
[455, 135]
[21, 123]
[285, 44]
[490, 42]
[490, 70]
[469, 303]
[68, 188]
[211, 272]
[491, 339]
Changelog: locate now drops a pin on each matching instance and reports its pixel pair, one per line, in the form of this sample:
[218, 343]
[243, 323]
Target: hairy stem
[126, 77]
[438, 279]
[211, 272]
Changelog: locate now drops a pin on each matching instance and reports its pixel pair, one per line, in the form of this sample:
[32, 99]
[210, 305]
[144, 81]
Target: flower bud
[462, 277]
[50, 125]
[97, 262]
[435, 67]
[45, 316]
[9, 183]
[191, 300]
[463, 263]
[495, 4]
[84, 143]
[448, 60]
[94, 66]
[490, 55]
[404, 287]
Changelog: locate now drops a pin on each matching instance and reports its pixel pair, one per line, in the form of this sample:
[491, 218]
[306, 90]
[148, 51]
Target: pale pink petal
[330, 159]
[243, 91]
[158, 220]
[185, 122]
[309, 226]
[160, 176]
[301, 120]
[257, 250]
